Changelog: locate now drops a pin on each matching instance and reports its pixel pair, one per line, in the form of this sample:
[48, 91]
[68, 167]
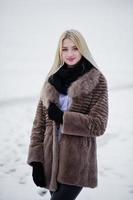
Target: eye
[64, 49]
[75, 48]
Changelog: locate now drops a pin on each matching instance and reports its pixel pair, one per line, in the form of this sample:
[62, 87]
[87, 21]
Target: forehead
[67, 43]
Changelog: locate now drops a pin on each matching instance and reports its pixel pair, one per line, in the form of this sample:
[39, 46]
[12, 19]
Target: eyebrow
[67, 47]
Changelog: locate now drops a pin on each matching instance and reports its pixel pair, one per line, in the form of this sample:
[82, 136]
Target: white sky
[30, 29]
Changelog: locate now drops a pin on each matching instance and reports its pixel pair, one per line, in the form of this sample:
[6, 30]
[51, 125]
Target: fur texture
[83, 85]
[73, 160]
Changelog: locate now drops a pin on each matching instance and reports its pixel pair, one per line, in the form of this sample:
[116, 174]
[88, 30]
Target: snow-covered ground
[115, 158]
[28, 39]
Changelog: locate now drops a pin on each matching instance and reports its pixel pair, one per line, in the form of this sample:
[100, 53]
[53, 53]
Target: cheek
[63, 56]
[78, 55]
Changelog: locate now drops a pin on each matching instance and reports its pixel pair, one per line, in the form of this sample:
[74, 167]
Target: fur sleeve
[92, 124]
[37, 135]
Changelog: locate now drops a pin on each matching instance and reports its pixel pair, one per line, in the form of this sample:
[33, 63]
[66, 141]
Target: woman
[72, 111]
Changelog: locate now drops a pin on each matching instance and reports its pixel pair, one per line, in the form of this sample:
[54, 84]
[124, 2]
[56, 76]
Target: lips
[70, 59]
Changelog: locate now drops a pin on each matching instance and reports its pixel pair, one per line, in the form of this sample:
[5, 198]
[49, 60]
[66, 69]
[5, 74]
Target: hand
[55, 113]
[38, 174]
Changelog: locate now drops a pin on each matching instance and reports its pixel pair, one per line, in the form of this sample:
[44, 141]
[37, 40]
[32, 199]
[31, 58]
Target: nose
[70, 53]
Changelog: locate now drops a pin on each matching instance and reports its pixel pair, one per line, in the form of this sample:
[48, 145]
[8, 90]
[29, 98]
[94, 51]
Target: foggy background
[29, 33]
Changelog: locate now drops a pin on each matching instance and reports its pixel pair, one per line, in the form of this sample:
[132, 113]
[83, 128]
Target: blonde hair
[80, 43]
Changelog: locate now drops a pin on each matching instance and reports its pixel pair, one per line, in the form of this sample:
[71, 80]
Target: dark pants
[65, 192]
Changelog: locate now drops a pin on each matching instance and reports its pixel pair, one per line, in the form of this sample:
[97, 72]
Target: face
[70, 53]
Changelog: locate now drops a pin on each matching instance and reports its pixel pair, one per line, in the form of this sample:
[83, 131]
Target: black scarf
[63, 78]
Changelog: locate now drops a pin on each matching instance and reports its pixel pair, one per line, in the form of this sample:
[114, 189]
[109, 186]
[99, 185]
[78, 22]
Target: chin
[71, 63]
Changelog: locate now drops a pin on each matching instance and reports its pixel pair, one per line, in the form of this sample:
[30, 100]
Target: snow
[27, 46]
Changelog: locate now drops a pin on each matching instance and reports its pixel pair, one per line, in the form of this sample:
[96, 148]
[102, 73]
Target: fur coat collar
[82, 86]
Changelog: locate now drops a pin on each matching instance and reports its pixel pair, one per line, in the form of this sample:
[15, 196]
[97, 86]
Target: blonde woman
[72, 111]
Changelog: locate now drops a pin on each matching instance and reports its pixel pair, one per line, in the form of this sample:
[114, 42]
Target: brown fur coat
[73, 160]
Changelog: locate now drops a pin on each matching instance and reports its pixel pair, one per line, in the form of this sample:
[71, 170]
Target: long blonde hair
[80, 43]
